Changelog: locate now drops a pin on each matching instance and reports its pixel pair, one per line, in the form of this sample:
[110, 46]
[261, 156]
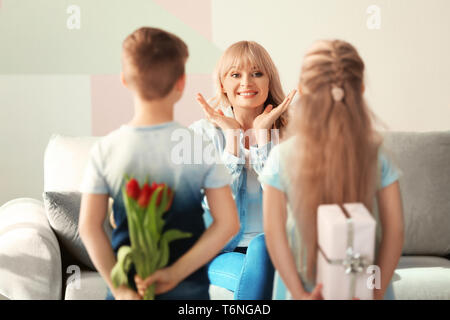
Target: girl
[334, 156]
[249, 102]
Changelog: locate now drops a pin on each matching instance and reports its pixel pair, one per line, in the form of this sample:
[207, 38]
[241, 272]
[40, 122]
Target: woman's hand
[217, 117]
[165, 280]
[270, 114]
[125, 293]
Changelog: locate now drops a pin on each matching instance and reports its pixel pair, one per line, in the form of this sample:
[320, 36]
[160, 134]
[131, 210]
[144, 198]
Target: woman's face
[246, 87]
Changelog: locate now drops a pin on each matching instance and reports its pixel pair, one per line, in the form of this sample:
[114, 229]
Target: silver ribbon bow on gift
[353, 262]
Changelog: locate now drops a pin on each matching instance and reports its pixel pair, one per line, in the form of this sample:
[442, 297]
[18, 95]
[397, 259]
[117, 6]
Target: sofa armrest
[30, 256]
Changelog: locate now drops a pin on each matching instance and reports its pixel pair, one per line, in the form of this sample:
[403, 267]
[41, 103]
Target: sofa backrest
[424, 163]
[423, 160]
[64, 162]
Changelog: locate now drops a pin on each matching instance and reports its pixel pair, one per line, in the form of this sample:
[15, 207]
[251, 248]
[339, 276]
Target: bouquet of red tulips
[149, 250]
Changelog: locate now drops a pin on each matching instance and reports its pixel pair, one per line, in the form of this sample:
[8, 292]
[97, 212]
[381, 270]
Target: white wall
[407, 59]
[32, 108]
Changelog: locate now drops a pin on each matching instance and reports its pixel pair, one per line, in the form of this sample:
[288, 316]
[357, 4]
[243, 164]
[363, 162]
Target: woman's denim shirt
[237, 169]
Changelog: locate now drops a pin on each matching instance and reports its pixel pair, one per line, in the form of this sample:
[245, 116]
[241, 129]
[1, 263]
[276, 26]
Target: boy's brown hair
[153, 60]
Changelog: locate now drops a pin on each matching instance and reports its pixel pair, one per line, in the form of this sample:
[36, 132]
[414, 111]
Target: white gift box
[346, 243]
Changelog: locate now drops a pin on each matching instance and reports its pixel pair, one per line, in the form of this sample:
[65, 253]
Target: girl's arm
[94, 208]
[225, 225]
[274, 213]
[391, 218]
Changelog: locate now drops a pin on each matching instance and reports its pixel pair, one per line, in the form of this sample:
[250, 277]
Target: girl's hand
[165, 280]
[270, 114]
[217, 117]
[316, 294]
[377, 294]
[125, 293]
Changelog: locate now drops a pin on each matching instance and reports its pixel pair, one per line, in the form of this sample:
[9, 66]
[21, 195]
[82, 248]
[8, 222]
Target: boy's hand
[125, 293]
[165, 280]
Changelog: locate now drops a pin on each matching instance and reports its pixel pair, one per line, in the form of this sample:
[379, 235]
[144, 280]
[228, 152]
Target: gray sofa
[41, 257]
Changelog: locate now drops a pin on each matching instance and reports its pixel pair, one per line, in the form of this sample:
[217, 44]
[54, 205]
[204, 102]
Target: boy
[153, 63]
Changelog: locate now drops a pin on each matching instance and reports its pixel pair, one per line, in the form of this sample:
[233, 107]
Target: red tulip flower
[145, 196]
[149, 249]
[133, 189]
[170, 194]
[154, 187]
[158, 201]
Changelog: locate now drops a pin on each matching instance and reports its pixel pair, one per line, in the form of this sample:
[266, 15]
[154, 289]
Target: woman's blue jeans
[249, 276]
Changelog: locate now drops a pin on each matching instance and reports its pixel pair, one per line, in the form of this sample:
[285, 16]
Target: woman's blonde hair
[250, 53]
[335, 160]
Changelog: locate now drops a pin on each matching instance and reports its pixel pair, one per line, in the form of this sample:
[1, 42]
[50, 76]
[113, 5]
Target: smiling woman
[249, 103]
[246, 87]
[245, 67]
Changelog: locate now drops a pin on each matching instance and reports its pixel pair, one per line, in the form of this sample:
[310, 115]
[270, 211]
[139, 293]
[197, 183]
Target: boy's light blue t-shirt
[165, 153]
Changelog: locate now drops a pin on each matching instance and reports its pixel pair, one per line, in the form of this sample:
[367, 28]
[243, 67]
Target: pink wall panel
[187, 109]
[196, 14]
[112, 104]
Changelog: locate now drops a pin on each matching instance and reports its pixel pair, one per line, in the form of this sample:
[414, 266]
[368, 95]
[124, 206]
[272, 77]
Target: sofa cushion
[63, 210]
[422, 278]
[91, 286]
[424, 161]
[30, 259]
[219, 293]
[88, 286]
